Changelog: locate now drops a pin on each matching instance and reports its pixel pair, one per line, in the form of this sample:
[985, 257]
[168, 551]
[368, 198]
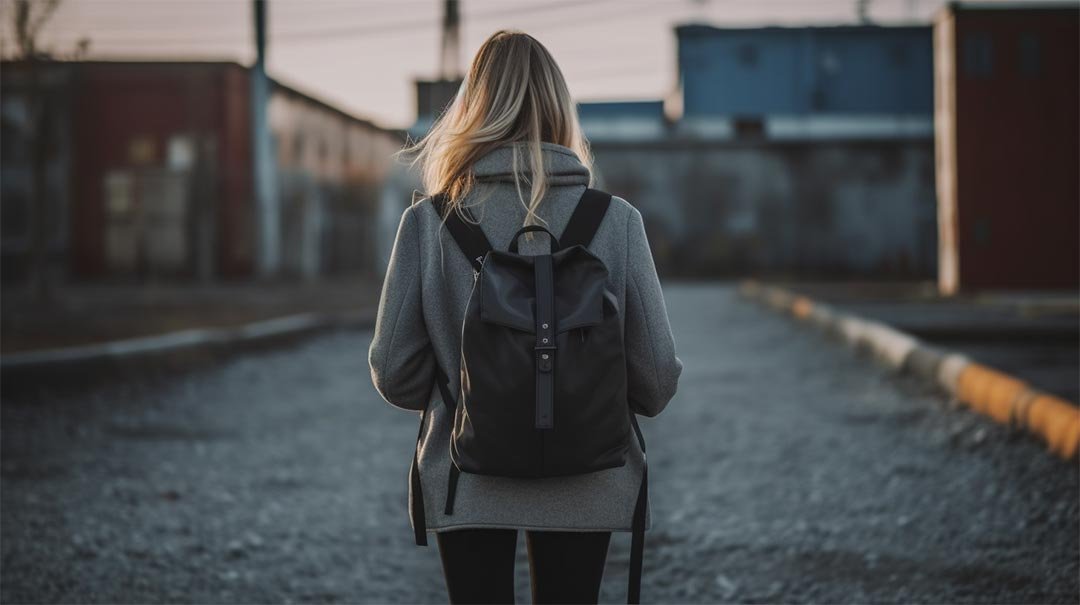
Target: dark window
[13, 147]
[830, 62]
[978, 55]
[748, 55]
[298, 148]
[749, 128]
[1029, 54]
[982, 231]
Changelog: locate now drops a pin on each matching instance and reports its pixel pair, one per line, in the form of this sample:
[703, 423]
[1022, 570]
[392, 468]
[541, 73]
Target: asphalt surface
[787, 469]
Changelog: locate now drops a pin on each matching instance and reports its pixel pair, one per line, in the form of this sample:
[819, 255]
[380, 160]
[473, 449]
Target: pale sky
[362, 55]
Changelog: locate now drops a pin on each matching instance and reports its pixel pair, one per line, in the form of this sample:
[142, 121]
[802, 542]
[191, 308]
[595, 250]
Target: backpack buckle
[544, 356]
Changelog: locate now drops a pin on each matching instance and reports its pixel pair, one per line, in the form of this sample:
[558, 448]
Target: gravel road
[788, 469]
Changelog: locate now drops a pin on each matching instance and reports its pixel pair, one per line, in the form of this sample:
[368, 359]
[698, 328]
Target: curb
[1004, 398]
[258, 332]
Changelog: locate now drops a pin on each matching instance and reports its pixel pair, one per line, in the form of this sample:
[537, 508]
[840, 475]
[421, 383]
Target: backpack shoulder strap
[586, 218]
[468, 236]
[637, 535]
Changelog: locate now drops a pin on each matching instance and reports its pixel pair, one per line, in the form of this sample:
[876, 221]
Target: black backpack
[543, 367]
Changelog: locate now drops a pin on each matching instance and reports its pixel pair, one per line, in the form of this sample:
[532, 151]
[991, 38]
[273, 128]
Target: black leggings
[566, 567]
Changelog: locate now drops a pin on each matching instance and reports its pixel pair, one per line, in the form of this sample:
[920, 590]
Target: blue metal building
[603, 110]
[850, 70]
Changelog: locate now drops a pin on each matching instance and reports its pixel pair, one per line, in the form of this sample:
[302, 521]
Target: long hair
[514, 92]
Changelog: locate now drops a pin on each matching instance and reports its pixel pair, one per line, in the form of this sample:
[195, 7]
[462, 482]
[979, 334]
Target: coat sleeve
[653, 368]
[401, 358]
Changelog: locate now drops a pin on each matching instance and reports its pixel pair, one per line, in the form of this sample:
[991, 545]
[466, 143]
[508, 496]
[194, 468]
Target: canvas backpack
[542, 367]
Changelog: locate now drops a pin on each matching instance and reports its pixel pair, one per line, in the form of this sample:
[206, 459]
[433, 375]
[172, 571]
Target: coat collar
[563, 165]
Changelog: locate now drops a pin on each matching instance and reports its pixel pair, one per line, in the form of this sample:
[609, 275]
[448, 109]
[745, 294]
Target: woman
[513, 118]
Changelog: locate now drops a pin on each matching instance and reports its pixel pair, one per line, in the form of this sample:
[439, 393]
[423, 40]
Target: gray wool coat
[422, 306]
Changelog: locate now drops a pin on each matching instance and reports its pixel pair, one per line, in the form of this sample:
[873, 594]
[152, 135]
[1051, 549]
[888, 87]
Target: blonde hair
[514, 92]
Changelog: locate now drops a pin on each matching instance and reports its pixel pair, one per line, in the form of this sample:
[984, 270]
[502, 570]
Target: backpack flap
[507, 286]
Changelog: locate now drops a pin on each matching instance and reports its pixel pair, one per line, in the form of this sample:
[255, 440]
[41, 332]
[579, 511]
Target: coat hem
[526, 527]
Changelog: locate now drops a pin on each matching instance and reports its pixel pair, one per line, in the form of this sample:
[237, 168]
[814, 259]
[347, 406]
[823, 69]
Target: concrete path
[787, 470]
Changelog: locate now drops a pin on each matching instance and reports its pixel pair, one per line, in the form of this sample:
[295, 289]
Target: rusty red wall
[236, 245]
[1017, 157]
[117, 103]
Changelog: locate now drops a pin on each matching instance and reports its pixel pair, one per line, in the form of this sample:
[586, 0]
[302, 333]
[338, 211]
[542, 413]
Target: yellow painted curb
[1004, 398]
[1057, 421]
[989, 391]
[802, 307]
[1009, 400]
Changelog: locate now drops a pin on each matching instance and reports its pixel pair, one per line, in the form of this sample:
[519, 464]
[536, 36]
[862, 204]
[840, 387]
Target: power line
[366, 30]
[425, 26]
[481, 16]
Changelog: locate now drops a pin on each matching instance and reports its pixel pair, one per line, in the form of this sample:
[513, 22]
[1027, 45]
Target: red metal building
[128, 115]
[150, 168]
[1006, 105]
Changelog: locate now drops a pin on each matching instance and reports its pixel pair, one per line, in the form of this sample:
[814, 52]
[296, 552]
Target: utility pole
[450, 58]
[862, 11]
[264, 167]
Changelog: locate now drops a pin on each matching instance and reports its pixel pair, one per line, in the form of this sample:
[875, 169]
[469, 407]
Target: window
[298, 149]
[749, 127]
[977, 55]
[14, 148]
[981, 230]
[830, 62]
[1029, 54]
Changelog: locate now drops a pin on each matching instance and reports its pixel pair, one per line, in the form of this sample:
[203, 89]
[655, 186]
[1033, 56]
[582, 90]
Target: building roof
[1013, 6]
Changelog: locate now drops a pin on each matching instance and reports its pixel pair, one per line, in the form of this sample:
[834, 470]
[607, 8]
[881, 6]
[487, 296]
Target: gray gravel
[788, 469]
